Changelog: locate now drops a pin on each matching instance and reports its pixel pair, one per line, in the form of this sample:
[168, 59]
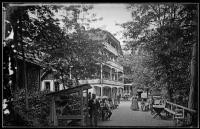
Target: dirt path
[124, 116]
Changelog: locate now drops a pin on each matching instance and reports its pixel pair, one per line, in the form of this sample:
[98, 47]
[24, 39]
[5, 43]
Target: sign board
[144, 95]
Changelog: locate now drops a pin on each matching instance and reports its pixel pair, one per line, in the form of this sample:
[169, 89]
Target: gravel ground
[124, 116]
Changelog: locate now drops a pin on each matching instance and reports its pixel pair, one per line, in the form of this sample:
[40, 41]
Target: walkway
[124, 116]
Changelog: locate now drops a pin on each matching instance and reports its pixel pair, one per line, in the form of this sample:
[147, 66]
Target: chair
[179, 116]
[157, 102]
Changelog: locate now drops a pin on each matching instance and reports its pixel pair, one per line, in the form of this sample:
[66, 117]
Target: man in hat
[94, 107]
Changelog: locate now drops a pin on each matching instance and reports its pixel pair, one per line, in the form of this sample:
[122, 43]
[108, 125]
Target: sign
[144, 95]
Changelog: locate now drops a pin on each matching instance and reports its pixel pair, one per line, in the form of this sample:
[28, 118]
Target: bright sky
[112, 14]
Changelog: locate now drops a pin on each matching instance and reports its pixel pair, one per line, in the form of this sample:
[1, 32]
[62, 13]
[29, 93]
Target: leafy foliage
[164, 32]
[37, 32]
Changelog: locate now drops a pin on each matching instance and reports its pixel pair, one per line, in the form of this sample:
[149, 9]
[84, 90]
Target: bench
[170, 111]
[178, 115]
[179, 112]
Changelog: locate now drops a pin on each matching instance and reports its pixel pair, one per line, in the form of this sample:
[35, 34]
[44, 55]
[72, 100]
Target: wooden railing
[172, 108]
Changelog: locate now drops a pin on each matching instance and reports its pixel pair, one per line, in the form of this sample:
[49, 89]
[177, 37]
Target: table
[158, 109]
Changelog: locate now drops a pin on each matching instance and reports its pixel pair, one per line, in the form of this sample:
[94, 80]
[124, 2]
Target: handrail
[185, 108]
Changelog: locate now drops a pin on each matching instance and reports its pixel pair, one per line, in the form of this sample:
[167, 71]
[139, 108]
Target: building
[32, 70]
[109, 76]
[49, 83]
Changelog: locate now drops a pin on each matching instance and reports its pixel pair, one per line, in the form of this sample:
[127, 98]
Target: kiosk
[70, 106]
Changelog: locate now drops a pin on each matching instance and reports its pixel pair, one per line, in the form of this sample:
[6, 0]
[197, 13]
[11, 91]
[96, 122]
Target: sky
[112, 14]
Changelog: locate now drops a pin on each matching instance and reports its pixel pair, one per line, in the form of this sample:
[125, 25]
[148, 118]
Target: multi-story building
[109, 80]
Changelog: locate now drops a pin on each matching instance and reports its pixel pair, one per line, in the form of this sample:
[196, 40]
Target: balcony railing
[115, 64]
[105, 81]
[113, 82]
[90, 81]
[110, 48]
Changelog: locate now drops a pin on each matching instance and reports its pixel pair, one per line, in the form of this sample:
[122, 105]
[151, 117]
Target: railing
[107, 81]
[115, 64]
[172, 108]
[97, 81]
[110, 48]
[91, 81]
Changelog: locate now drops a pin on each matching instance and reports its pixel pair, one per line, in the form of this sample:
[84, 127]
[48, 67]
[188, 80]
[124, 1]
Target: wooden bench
[178, 112]
[179, 116]
[70, 118]
[170, 111]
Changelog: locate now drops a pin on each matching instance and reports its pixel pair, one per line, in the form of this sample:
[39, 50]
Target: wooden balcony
[90, 81]
[105, 81]
[110, 48]
[115, 64]
[111, 82]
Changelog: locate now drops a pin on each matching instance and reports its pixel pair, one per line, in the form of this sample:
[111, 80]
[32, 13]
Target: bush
[39, 108]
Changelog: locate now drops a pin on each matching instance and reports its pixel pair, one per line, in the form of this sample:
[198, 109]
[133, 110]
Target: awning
[139, 90]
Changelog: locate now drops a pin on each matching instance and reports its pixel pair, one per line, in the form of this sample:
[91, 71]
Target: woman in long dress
[134, 105]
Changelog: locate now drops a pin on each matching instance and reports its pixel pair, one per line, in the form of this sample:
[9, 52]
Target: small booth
[70, 107]
[139, 92]
[144, 96]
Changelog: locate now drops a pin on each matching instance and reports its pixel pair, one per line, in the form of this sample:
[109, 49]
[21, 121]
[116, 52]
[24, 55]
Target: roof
[70, 90]
[156, 93]
[105, 33]
[32, 58]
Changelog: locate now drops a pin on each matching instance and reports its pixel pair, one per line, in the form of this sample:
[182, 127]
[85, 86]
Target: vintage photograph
[77, 65]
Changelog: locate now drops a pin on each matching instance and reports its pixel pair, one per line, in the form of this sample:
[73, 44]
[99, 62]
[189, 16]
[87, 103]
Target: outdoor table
[158, 109]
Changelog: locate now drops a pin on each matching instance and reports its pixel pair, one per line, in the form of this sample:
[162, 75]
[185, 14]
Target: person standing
[118, 98]
[107, 109]
[89, 96]
[142, 105]
[151, 103]
[134, 105]
[94, 107]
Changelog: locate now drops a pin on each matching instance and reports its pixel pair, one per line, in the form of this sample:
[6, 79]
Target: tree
[189, 23]
[36, 31]
[136, 70]
[170, 54]
[22, 43]
[78, 53]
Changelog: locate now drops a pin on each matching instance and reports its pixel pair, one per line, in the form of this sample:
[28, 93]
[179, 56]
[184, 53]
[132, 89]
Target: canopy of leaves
[37, 32]
[166, 32]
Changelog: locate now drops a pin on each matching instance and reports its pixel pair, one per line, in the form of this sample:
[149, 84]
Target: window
[56, 84]
[47, 86]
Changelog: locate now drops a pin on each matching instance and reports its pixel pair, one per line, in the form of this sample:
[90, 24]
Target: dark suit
[93, 111]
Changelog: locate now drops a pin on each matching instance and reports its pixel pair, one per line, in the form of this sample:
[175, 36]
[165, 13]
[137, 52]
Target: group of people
[144, 106]
[98, 108]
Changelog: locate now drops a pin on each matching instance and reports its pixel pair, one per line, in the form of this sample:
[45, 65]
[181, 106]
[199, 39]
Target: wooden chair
[157, 102]
[179, 116]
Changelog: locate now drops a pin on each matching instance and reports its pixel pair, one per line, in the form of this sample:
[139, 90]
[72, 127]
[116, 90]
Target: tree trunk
[193, 96]
[194, 79]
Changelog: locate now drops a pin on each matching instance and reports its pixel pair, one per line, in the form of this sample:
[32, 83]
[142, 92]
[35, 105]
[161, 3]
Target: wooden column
[101, 79]
[111, 91]
[123, 77]
[102, 91]
[111, 73]
[117, 76]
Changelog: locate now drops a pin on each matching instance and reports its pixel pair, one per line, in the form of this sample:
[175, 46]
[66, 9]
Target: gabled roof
[29, 58]
[71, 90]
[104, 34]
